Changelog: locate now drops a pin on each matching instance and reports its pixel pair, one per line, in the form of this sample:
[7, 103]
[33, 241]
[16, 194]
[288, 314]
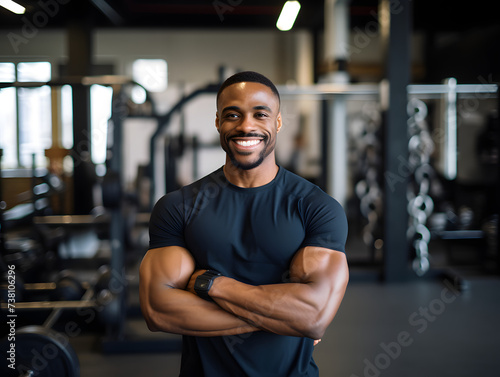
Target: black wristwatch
[204, 282]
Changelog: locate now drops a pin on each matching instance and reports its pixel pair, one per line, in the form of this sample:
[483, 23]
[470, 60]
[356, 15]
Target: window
[25, 114]
[8, 112]
[151, 74]
[8, 140]
[7, 72]
[34, 72]
[100, 105]
[67, 116]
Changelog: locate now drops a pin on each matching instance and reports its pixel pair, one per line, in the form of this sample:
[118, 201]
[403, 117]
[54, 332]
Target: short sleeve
[325, 221]
[166, 225]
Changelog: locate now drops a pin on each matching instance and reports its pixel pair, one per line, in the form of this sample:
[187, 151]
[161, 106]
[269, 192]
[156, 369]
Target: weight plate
[44, 351]
[68, 287]
[111, 190]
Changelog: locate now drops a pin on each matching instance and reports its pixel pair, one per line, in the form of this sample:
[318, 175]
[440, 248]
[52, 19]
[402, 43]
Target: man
[247, 263]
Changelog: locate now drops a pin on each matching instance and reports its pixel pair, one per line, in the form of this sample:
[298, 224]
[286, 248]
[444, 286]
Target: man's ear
[217, 121]
[279, 122]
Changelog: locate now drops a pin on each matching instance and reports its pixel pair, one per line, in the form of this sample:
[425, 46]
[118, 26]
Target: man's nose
[247, 124]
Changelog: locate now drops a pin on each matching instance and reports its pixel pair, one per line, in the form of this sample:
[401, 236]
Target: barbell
[42, 351]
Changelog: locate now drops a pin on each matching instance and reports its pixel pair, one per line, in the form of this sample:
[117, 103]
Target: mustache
[243, 135]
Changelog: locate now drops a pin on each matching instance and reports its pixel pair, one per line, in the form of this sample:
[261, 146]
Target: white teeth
[247, 143]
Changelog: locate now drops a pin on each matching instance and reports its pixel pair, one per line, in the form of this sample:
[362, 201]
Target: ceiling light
[288, 15]
[12, 6]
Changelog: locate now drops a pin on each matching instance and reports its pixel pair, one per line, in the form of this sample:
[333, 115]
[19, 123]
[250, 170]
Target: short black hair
[248, 76]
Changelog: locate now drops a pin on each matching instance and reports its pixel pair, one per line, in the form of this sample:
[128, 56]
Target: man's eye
[261, 115]
[231, 115]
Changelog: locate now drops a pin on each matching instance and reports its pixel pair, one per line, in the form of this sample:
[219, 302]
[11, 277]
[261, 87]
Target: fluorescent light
[12, 6]
[288, 15]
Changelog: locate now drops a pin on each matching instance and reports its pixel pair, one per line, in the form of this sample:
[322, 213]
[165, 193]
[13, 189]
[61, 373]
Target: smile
[247, 143]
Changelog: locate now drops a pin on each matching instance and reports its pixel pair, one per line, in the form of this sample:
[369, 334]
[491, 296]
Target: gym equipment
[68, 287]
[420, 204]
[163, 123]
[39, 351]
[3, 205]
[23, 252]
[5, 289]
[365, 151]
[34, 202]
[108, 305]
[43, 351]
[109, 295]
[67, 292]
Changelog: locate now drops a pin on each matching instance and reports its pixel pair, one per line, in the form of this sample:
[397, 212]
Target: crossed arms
[303, 307]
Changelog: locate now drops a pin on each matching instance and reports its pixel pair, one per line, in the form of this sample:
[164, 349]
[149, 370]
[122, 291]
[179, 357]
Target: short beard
[266, 152]
[250, 166]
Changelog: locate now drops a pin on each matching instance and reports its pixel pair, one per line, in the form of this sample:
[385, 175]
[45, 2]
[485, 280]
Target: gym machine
[174, 147]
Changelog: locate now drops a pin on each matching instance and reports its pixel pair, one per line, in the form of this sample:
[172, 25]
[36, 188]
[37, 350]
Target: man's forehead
[248, 85]
[249, 88]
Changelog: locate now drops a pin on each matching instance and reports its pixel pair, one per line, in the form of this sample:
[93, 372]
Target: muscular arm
[166, 306]
[303, 307]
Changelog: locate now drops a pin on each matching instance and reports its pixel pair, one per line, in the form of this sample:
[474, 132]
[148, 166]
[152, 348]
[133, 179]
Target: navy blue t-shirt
[251, 235]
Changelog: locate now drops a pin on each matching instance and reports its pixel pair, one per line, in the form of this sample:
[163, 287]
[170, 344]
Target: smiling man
[248, 120]
[248, 263]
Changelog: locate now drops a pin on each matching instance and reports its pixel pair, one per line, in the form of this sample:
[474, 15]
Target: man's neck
[256, 177]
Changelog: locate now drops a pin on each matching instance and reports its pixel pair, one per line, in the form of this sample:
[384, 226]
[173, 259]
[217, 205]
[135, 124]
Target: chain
[420, 203]
[366, 159]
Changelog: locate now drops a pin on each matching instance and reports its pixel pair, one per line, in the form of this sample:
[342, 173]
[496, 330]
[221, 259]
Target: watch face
[202, 283]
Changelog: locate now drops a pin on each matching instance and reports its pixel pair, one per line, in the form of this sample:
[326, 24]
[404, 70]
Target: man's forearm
[286, 309]
[181, 312]
[304, 307]
[168, 307]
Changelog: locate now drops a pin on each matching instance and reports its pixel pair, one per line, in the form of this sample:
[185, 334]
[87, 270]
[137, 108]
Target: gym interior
[390, 106]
